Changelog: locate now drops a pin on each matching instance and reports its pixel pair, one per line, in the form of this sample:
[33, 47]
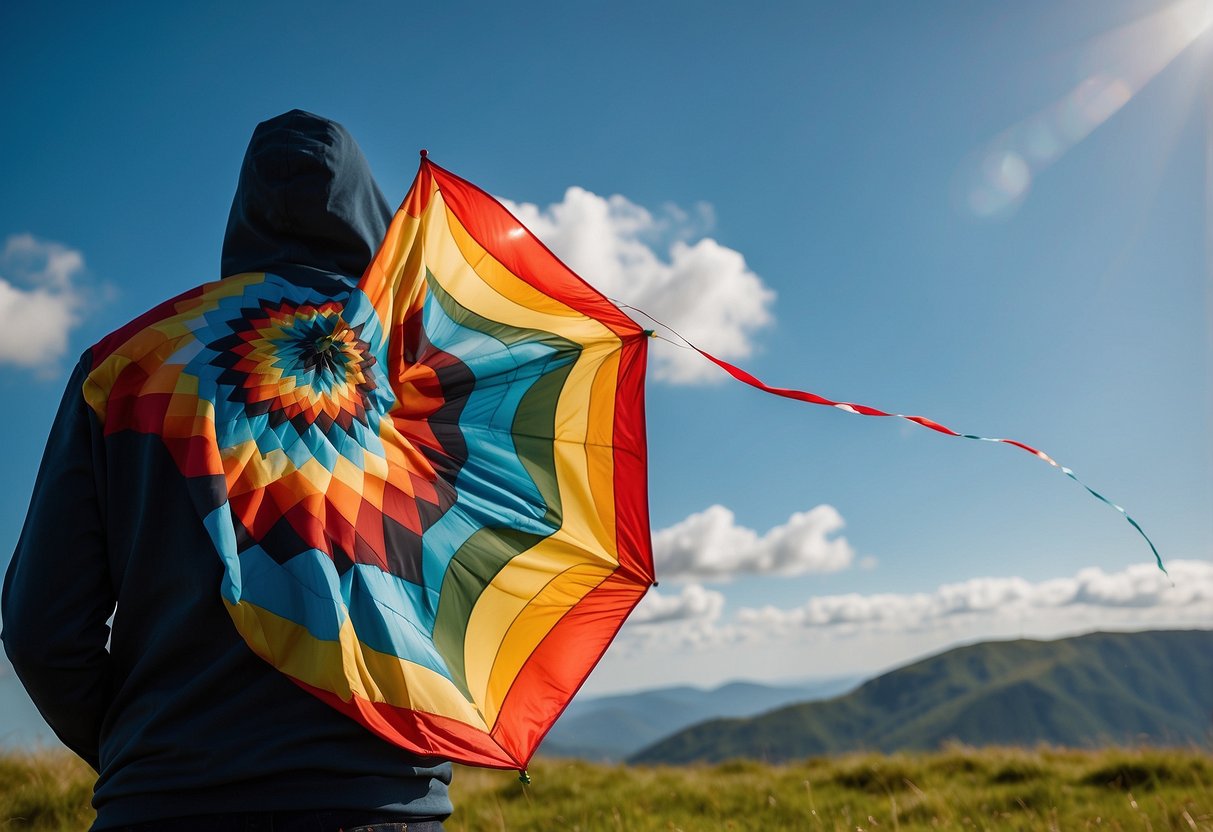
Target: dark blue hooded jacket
[176, 713]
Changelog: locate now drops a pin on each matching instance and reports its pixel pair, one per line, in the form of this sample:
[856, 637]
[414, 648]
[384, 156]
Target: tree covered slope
[1152, 688]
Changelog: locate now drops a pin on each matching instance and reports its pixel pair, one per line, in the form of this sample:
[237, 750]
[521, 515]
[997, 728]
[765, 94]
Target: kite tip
[425, 154]
[524, 778]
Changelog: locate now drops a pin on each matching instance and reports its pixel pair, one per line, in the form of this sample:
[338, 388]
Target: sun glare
[1123, 62]
[1194, 17]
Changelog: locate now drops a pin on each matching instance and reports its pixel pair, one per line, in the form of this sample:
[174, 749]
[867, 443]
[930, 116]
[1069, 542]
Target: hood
[306, 202]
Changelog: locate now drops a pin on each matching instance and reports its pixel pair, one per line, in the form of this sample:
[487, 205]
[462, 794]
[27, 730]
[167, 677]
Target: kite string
[864, 410]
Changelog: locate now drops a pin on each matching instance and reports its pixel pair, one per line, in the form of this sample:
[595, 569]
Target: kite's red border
[560, 664]
[427, 734]
[490, 224]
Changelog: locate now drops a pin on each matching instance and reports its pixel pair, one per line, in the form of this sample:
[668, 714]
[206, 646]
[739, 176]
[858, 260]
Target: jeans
[335, 820]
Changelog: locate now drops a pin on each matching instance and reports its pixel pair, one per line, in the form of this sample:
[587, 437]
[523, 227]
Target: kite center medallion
[299, 363]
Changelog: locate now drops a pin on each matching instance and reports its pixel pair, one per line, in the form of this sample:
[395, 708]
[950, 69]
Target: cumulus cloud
[41, 298]
[711, 546]
[702, 289]
[1135, 597]
[694, 635]
[693, 603]
[689, 619]
[1140, 590]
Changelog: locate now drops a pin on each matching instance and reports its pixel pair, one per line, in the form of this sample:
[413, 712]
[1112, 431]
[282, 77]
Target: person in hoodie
[112, 613]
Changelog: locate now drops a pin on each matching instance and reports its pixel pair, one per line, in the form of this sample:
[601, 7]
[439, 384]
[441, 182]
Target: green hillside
[997, 790]
[1153, 688]
[611, 728]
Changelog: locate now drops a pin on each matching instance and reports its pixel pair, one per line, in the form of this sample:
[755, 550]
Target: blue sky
[996, 215]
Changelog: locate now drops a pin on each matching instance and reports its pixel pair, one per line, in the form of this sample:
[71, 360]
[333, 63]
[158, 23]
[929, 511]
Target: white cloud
[1139, 592]
[702, 289]
[689, 619]
[41, 297]
[694, 603]
[711, 546]
[690, 639]
[1137, 596]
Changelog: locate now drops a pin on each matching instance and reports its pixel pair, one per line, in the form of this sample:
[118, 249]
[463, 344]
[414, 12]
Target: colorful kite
[428, 493]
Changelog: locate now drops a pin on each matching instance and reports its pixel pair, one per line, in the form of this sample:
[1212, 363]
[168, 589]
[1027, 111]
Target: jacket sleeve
[57, 596]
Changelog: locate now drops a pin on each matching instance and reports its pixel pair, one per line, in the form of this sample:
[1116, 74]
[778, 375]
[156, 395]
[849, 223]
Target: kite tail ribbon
[863, 410]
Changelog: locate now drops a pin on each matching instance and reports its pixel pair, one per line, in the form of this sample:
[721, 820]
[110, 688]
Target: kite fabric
[428, 493]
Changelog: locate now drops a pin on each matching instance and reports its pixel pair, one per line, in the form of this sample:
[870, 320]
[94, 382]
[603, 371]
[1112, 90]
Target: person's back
[178, 715]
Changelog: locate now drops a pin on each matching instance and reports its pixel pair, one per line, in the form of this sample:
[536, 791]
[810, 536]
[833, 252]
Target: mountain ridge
[1153, 687]
[611, 727]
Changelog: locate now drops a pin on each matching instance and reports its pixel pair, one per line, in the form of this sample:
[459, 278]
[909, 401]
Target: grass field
[994, 789]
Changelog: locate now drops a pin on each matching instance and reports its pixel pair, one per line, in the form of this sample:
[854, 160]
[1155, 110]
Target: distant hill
[1153, 688]
[610, 728]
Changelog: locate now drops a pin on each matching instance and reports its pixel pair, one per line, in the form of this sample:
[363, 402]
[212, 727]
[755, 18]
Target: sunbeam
[1123, 62]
